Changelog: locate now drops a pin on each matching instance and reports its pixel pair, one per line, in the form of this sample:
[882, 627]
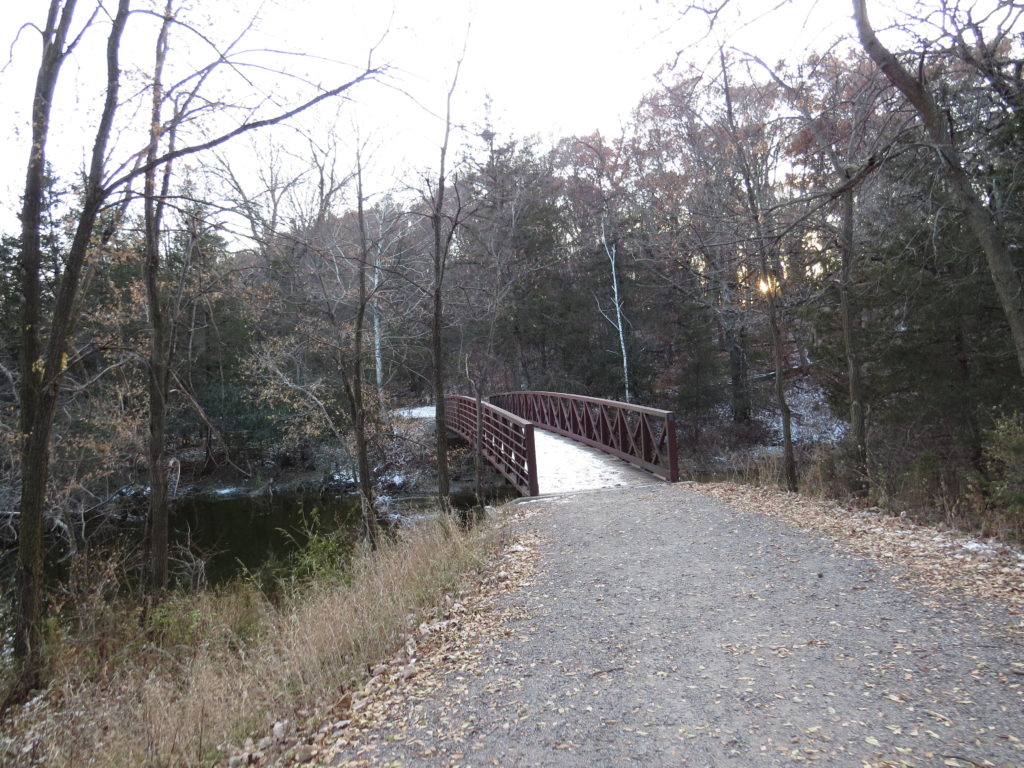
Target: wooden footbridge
[504, 426]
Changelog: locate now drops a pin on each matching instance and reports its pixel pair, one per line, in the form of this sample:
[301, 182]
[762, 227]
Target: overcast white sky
[550, 67]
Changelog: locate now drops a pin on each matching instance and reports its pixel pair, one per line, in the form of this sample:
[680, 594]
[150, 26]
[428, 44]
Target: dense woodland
[839, 231]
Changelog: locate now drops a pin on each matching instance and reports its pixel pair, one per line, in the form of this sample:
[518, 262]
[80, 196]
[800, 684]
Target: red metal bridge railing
[645, 437]
[506, 440]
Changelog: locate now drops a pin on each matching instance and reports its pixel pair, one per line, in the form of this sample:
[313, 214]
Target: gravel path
[663, 628]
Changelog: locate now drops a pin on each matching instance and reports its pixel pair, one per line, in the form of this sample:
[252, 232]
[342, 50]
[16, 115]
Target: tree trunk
[773, 285]
[371, 528]
[848, 316]
[35, 462]
[378, 352]
[478, 456]
[611, 251]
[40, 384]
[161, 332]
[437, 355]
[157, 537]
[738, 385]
[1008, 281]
[778, 351]
[36, 415]
[443, 229]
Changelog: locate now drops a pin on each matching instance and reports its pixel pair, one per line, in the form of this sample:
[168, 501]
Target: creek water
[231, 531]
[235, 531]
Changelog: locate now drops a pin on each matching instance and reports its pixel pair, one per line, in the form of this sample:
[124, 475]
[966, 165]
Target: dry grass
[218, 666]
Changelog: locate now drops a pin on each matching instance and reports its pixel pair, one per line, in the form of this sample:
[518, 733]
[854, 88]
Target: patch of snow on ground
[813, 420]
[421, 412]
[977, 546]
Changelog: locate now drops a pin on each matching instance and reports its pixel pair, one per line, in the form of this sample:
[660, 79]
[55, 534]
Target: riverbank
[228, 522]
[220, 666]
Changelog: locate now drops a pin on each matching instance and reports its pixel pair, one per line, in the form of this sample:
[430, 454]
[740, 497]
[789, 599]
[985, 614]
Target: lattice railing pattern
[506, 440]
[645, 437]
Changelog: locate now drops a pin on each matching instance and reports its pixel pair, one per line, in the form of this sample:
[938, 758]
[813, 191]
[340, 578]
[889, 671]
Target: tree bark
[739, 388]
[611, 251]
[788, 457]
[987, 231]
[848, 317]
[160, 343]
[437, 352]
[437, 380]
[371, 528]
[443, 229]
[34, 419]
[378, 332]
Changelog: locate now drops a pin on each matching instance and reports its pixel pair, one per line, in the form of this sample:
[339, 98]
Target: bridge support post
[673, 457]
[531, 460]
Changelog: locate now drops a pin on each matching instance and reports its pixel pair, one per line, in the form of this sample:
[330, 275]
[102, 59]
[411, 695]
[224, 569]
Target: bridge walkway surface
[655, 626]
[564, 466]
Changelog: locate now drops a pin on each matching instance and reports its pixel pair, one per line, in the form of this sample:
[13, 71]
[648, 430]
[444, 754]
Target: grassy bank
[216, 666]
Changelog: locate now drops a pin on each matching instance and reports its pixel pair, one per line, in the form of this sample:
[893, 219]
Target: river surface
[235, 530]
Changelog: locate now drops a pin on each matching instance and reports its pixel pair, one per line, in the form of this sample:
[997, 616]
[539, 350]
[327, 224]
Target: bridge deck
[565, 466]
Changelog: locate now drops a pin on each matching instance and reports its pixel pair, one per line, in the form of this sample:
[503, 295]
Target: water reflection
[233, 531]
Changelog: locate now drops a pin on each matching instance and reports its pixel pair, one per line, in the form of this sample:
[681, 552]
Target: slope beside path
[654, 626]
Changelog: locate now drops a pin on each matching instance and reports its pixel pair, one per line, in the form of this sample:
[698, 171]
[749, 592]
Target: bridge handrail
[506, 439]
[645, 437]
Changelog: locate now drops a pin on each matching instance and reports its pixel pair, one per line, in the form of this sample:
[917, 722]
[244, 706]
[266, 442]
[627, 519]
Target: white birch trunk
[619, 322]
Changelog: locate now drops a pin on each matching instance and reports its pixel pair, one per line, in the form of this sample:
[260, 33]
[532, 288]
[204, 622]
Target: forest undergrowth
[977, 488]
[928, 495]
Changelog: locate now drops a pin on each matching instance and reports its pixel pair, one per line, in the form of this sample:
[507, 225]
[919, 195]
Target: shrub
[1004, 458]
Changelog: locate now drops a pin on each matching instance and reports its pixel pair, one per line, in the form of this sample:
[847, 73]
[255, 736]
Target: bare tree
[844, 113]
[161, 331]
[598, 187]
[444, 218]
[42, 371]
[618, 318]
[354, 380]
[768, 263]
